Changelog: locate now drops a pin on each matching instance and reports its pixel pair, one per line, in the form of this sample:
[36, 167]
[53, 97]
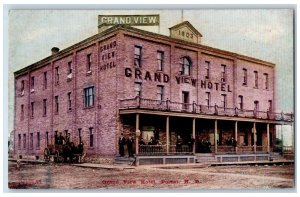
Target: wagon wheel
[46, 155]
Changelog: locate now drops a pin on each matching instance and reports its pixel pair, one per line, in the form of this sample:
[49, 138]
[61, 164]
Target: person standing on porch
[191, 143]
[122, 142]
[178, 144]
[129, 143]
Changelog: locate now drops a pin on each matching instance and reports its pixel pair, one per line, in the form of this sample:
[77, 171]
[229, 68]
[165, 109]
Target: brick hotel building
[131, 81]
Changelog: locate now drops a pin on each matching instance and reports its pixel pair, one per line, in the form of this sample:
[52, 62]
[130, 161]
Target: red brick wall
[111, 85]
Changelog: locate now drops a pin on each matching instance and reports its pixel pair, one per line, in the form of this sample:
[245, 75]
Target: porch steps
[205, 158]
[124, 160]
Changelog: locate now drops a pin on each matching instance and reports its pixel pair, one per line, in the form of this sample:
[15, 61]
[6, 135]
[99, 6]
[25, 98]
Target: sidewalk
[104, 166]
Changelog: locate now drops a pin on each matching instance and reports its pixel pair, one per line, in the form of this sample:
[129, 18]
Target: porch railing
[162, 149]
[168, 105]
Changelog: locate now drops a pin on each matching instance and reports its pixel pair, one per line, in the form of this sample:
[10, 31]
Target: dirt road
[147, 177]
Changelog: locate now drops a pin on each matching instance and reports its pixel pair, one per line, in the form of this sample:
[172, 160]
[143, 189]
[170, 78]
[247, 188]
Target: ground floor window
[91, 137]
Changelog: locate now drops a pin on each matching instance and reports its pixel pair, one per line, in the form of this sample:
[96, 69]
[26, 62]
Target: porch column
[168, 133]
[216, 133]
[194, 134]
[254, 136]
[268, 138]
[137, 130]
[236, 134]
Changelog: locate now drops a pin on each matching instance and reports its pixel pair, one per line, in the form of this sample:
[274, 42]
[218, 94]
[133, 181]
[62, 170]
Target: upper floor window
[22, 112]
[160, 93]
[245, 77]
[32, 83]
[24, 141]
[207, 69]
[44, 107]
[137, 56]
[70, 67]
[138, 89]
[89, 62]
[270, 106]
[32, 109]
[256, 106]
[266, 76]
[241, 102]
[207, 99]
[69, 101]
[223, 73]
[89, 97]
[57, 75]
[255, 79]
[22, 87]
[186, 66]
[31, 141]
[38, 140]
[56, 104]
[224, 101]
[19, 141]
[91, 137]
[45, 80]
[160, 60]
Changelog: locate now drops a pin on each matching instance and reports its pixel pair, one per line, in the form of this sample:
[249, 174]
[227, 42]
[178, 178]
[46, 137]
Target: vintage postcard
[151, 99]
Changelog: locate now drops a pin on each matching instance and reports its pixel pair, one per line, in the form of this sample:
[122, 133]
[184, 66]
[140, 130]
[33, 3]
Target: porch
[201, 129]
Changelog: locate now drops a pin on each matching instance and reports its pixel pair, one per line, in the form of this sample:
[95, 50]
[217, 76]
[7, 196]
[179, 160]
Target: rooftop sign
[134, 20]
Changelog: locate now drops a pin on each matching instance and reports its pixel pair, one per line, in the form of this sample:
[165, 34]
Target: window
[255, 79]
[207, 69]
[160, 93]
[89, 97]
[256, 106]
[56, 75]
[47, 138]
[160, 60]
[137, 56]
[207, 99]
[69, 68]
[89, 62]
[91, 137]
[22, 87]
[32, 83]
[245, 77]
[270, 106]
[19, 141]
[24, 141]
[186, 66]
[185, 100]
[266, 81]
[223, 74]
[32, 109]
[22, 112]
[56, 104]
[138, 89]
[224, 101]
[45, 80]
[31, 141]
[38, 138]
[69, 101]
[79, 136]
[241, 104]
[44, 107]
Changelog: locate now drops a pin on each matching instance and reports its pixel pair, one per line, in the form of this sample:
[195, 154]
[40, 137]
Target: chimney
[54, 50]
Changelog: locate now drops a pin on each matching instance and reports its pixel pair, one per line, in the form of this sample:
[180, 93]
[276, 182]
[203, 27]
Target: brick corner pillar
[168, 133]
[137, 128]
[236, 135]
[268, 138]
[216, 133]
[254, 136]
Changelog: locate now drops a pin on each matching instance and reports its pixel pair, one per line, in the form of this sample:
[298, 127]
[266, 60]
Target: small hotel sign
[134, 20]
